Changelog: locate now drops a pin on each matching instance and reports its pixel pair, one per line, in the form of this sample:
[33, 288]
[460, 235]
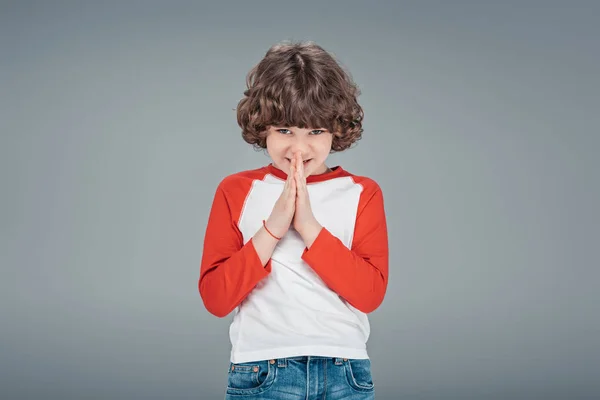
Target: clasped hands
[292, 208]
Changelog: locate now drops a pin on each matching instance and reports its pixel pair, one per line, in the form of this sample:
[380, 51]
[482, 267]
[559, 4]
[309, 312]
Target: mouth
[303, 162]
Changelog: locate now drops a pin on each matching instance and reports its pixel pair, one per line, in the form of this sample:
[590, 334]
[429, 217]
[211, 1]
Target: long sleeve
[229, 269]
[359, 274]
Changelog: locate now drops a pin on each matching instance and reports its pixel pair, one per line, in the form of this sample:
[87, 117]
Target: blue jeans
[301, 378]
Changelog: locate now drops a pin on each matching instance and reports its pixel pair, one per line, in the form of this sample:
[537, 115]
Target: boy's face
[313, 144]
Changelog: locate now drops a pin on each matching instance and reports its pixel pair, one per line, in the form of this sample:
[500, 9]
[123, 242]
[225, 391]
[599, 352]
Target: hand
[304, 220]
[283, 211]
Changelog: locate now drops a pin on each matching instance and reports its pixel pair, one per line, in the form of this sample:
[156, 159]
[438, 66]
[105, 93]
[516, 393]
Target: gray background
[481, 127]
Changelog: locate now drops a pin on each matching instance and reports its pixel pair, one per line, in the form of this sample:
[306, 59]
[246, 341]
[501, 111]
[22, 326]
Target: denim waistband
[306, 358]
[282, 362]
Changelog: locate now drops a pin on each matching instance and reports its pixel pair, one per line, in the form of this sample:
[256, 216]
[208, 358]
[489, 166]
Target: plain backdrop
[481, 124]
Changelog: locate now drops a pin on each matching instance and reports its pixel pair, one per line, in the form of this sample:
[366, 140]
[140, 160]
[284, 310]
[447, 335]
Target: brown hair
[300, 84]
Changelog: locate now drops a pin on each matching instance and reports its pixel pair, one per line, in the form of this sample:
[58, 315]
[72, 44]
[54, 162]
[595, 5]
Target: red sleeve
[229, 270]
[359, 274]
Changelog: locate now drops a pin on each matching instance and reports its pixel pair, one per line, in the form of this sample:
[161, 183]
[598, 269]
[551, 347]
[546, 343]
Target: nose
[299, 144]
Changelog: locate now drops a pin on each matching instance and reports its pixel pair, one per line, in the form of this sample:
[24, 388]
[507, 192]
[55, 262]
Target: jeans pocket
[250, 378]
[358, 374]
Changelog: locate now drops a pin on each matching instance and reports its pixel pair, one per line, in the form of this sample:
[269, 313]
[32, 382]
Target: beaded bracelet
[267, 229]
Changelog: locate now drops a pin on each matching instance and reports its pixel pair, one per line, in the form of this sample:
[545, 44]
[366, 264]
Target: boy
[298, 250]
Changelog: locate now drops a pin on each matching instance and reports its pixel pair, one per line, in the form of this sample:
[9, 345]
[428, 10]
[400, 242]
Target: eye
[317, 132]
[283, 131]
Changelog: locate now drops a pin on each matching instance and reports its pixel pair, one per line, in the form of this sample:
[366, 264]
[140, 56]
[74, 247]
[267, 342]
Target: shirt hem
[286, 352]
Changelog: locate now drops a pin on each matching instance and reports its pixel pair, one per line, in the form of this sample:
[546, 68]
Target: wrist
[272, 229]
[274, 234]
[309, 232]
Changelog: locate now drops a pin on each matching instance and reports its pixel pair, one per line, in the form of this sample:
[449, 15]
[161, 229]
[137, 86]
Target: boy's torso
[292, 311]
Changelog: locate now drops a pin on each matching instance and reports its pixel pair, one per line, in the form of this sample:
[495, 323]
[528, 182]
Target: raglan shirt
[304, 301]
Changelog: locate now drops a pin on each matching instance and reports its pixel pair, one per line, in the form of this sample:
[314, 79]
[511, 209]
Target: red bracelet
[267, 229]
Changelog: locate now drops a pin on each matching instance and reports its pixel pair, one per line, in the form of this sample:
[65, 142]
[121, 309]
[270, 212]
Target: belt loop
[338, 361]
[282, 362]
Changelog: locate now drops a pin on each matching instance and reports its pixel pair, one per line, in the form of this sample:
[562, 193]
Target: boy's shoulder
[368, 184]
[242, 179]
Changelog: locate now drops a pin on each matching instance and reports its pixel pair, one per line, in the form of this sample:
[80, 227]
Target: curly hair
[302, 85]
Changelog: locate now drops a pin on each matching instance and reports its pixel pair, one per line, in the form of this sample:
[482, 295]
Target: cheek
[275, 152]
[274, 148]
[324, 147]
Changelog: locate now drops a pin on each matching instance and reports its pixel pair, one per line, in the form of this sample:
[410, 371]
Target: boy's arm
[360, 274]
[229, 269]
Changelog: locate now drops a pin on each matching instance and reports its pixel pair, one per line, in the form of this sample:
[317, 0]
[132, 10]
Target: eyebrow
[289, 127]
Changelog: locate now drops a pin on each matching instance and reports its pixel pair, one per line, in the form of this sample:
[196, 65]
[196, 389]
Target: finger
[298, 184]
[286, 185]
[292, 194]
[292, 190]
[298, 159]
[290, 177]
[301, 177]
